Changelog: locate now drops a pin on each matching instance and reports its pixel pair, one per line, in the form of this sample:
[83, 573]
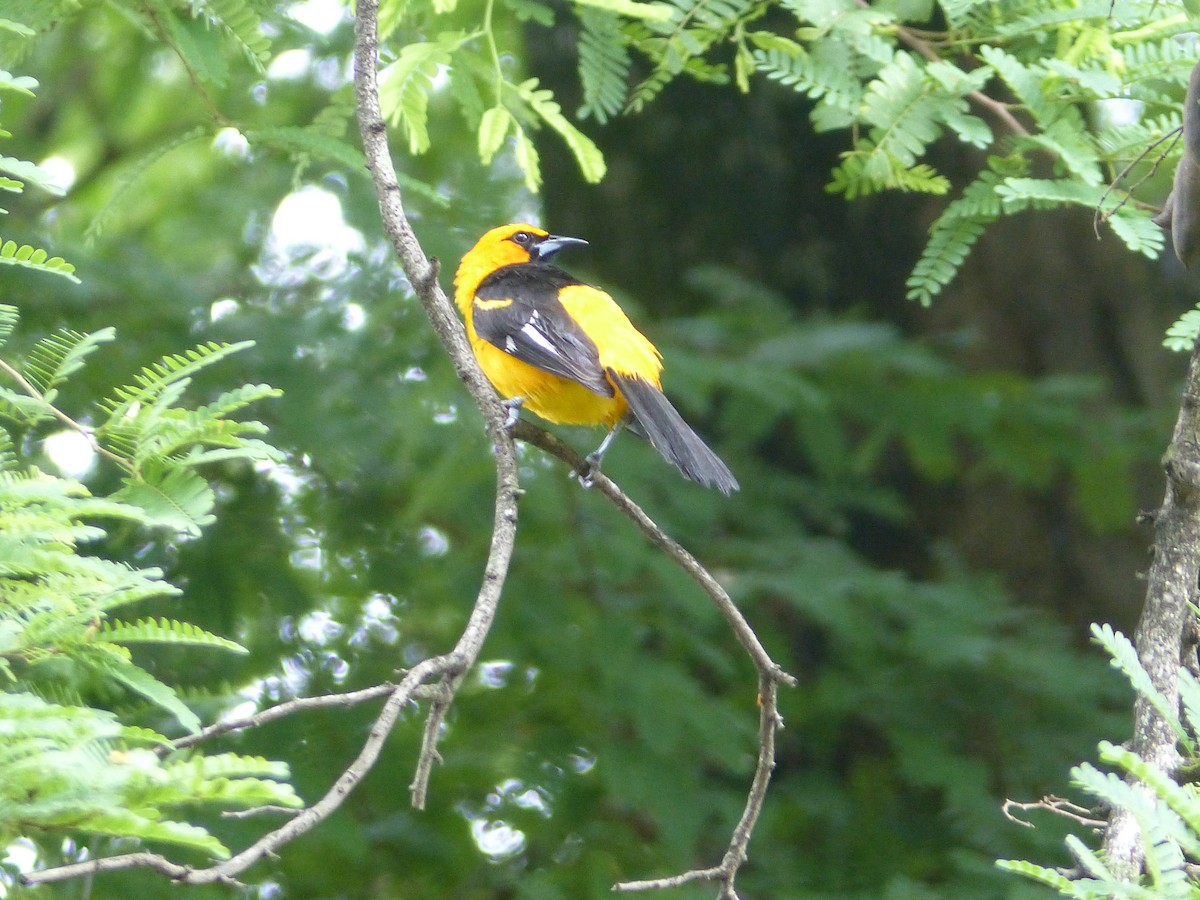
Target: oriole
[566, 351]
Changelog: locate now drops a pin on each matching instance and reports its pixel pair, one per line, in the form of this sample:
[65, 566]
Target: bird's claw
[589, 470]
[513, 406]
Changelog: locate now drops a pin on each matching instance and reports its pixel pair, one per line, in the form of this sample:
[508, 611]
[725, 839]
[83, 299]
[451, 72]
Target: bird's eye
[522, 239]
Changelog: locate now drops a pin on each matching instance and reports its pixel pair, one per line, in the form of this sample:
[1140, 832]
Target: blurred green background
[935, 502]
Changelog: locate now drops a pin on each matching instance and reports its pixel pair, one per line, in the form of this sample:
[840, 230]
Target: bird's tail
[671, 436]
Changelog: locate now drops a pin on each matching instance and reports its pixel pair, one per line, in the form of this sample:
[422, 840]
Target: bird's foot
[589, 470]
[513, 405]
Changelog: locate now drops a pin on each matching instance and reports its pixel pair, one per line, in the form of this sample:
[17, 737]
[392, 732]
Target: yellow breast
[555, 399]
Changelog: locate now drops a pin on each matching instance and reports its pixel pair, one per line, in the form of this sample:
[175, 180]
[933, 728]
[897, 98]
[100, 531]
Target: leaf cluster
[71, 765]
[498, 107]
[1072, 92]
[140, 426]
[1064, 97]
[15, 174]
[72, 769]
[1165, 805]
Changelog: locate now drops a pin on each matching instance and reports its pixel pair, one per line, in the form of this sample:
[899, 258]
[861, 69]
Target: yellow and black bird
[566, 351]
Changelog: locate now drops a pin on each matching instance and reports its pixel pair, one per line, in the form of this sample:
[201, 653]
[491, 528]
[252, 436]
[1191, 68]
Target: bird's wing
[517, 309]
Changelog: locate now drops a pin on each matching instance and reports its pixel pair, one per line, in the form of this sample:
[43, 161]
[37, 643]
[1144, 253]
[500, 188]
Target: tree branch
[770, 674]
[288, 708]
[1171, 585]
[440, 705]
[422, 273]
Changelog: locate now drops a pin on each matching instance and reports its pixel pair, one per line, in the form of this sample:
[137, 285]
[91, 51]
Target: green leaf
[1138, 231]
[133, 174]
[21, 84]
[9, 317]
[54, 359]
[604, 64]
[493, 128]
[527, 160]
[126, 823]
[226, 765]
[631, 9]
[531, 11]
[824, 74]
[14, 254]
[172, 369]
[1050, 877]
[31, 173]
[103, 659]
[952, 235]
[174, 498]
[1125, 658]
[16, 28]
[197, 44]
[309, 140]
[587, 154]
[243, 26]
[1182, 799]
[405, 85]
[1182, 334]
[163, 631]
[868, 169]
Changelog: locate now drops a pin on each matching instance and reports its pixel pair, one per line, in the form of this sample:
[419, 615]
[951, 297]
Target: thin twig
[438, 707]
[422, 273]
[79, 427]
[770, 674]
[260, 811]
[291, 707]
[543, 439]
[1099, 217]
[1059, 806]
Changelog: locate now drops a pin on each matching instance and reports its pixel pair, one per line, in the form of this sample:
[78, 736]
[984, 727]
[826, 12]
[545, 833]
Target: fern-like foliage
[907, 107]
[405, 86]
[1029, 81]
[15, 174]
[954, 232]
[540, 103]
[1182, 334]
[506, 113]
[604, 64]
[54, 597]
[1167, 811]
[141, 426]
[69, 767]
[821, 72]
[200, 31]
[242, 24]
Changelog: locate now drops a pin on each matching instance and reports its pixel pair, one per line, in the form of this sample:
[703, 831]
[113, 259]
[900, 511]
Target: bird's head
[506, 245]
[521, 243]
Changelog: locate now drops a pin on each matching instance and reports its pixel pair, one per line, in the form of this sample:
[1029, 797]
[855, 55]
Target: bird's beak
[551, 245]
